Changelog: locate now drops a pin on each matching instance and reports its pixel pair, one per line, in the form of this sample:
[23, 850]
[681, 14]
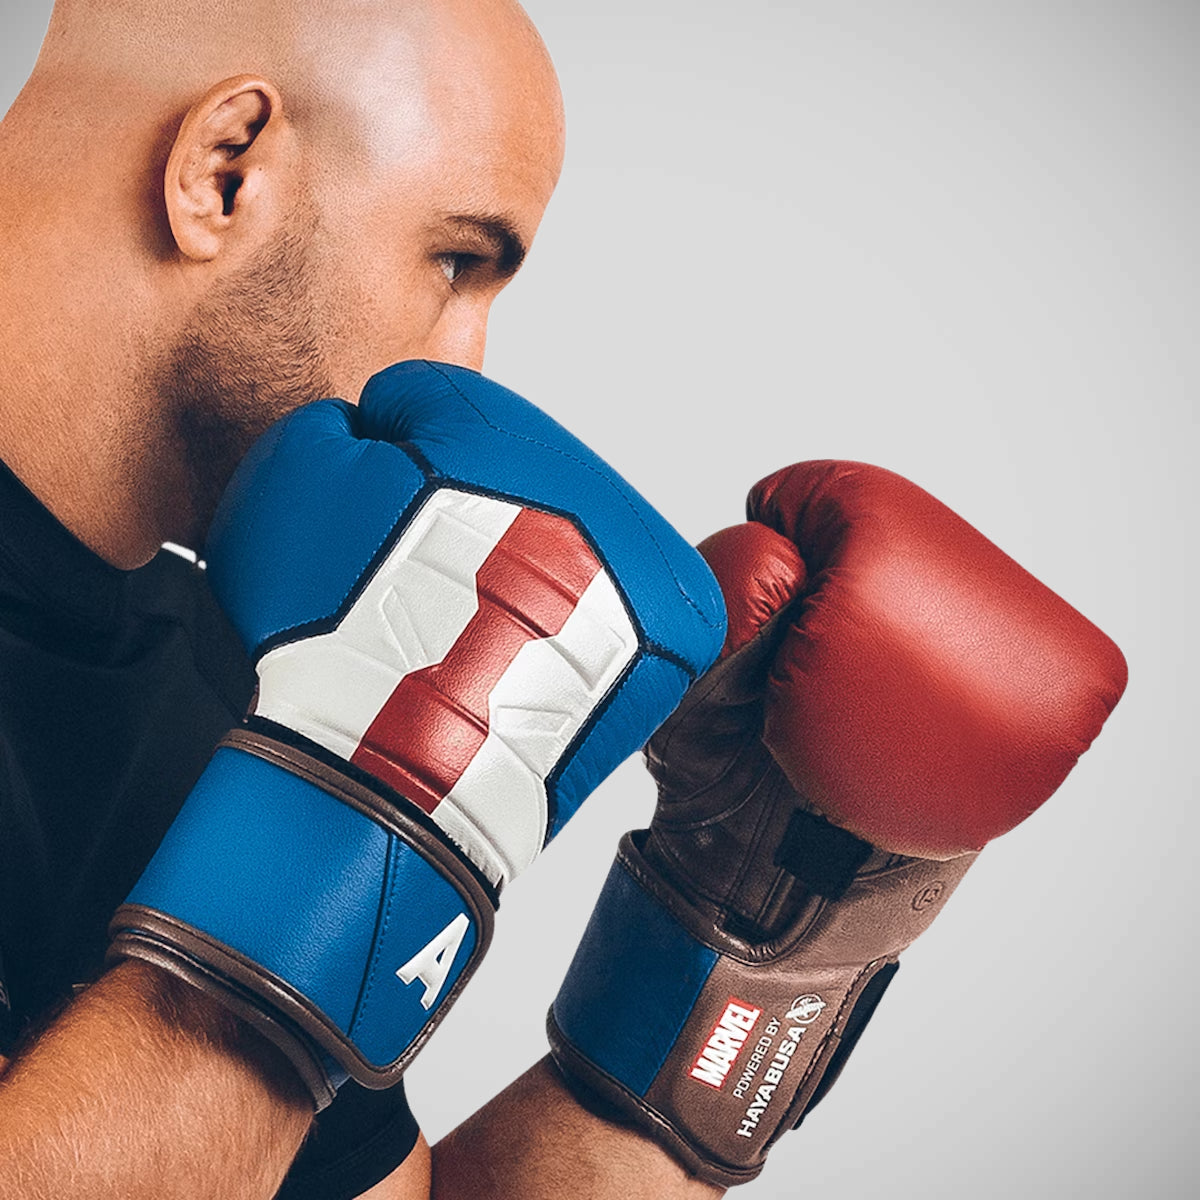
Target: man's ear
[228, 165]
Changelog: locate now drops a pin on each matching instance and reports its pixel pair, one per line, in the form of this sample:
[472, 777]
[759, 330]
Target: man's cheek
[376, 320]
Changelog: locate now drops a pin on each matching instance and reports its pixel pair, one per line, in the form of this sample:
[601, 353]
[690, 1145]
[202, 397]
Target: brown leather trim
[880, 873]
[653, 1124]
[291, 1021]
[142, 942]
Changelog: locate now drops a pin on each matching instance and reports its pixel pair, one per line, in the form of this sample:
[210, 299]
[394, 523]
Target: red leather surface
[759, 571]
[930, 693]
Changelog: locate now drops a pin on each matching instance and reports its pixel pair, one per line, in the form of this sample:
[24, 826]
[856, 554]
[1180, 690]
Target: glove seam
[383, 920]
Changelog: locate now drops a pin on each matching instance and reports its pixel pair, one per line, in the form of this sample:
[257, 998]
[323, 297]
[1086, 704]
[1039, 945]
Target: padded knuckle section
[932, 693]
[284, 888]
[464, 670]
[470, 429]
[495, 618]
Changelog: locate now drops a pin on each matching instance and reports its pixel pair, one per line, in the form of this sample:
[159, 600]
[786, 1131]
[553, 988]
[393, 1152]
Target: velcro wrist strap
[714, 1046]
[336, 922]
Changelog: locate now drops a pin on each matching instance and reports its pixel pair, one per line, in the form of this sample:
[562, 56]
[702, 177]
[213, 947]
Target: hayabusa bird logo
[806, 1009]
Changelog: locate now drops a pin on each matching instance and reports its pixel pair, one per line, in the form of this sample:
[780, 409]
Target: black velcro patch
[822, 856]
[864, 1010]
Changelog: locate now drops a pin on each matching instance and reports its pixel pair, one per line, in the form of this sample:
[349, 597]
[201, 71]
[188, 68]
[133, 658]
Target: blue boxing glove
[462, 620]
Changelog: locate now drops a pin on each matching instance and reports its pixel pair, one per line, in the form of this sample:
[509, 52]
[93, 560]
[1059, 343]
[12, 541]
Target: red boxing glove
[894, 692]
[932, 693]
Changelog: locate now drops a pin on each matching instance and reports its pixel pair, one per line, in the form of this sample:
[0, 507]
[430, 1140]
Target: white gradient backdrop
[958, 240]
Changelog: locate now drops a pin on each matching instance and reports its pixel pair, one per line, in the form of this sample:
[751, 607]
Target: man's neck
[81, 423]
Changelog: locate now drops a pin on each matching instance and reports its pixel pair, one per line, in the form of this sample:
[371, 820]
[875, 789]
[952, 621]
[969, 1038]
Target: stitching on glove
[381, 924]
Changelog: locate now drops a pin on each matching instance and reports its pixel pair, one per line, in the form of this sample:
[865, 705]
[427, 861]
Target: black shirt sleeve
[357, 1142]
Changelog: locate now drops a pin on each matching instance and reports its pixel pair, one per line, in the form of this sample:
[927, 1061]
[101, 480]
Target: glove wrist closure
[716, 1046]
[330, 918]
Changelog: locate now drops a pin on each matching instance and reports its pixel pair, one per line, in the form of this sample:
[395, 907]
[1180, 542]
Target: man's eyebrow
[505, 242]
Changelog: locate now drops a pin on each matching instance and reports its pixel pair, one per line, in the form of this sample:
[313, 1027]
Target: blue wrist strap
[289, 882]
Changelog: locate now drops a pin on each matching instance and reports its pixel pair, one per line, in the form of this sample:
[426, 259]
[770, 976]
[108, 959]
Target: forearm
[534, 1141]
[143, 1088]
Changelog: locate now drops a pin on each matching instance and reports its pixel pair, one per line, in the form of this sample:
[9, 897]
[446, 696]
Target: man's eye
[455, 265]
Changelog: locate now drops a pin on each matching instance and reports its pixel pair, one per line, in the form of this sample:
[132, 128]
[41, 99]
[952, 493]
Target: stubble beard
[250, 355]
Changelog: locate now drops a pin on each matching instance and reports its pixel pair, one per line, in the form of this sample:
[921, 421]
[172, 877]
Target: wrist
[144, 1088]
[713, 1045]
[184, 1015]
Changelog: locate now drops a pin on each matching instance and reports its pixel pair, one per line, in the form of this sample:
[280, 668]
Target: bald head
[251, 203]
[364, 71]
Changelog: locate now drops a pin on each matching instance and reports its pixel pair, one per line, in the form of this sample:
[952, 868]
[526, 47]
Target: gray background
[957, 240]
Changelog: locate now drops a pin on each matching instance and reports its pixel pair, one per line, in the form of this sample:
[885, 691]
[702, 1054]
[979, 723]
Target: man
[210, 216]
[275, 210]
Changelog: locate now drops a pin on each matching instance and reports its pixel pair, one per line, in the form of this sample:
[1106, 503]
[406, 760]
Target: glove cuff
[336, 921]
[715, 1046]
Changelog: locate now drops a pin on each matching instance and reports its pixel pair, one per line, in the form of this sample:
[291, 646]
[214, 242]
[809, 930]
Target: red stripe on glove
[436, 720]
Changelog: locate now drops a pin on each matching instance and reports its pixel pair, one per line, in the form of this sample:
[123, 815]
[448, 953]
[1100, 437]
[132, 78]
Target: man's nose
[460, 339]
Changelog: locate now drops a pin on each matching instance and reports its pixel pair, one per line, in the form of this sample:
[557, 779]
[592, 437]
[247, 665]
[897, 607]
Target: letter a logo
[432, 964]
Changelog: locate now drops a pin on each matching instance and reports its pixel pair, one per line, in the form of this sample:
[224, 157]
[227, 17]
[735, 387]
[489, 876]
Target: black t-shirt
[114, 688]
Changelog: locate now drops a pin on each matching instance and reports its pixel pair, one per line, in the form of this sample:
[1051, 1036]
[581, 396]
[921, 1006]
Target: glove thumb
[760, 574]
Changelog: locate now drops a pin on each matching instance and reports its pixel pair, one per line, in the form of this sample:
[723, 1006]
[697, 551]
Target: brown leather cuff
[714, 1046]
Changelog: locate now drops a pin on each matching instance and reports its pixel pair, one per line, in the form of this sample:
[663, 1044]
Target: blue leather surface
[646, 698]
[306, 512]
[420, 903]
[634, 980]
[277, 869]
[297, 881]
[472, 429]
[316, 498]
